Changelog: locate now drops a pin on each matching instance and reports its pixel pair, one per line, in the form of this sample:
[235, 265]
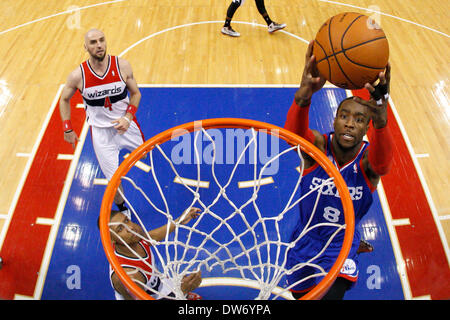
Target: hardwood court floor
[179, 42]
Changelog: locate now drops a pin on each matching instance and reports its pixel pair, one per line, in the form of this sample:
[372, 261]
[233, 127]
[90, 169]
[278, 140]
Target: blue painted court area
[78, 267]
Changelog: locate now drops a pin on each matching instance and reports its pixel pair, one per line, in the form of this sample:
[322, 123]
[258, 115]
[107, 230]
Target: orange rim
[321, 289]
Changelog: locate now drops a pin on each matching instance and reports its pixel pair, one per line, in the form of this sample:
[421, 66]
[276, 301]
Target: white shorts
[108, 143]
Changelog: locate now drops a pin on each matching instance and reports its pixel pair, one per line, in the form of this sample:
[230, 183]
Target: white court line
[100, 181]
[58, 14]
[139, 164]
[255, 183]
[422, 155]
[221, 85]
[218, 85]
[387, 15]
[200, 23]
[221, 21]
[144, 167]
[28, 166]
[423, 182]
[390, 221]
[401, 265]
[401, 222]
[400, 261]
[23, 155]
[239, 282]
[45, 221]
[191, 182]
[64, 156]
[59, 213]
[22, 297]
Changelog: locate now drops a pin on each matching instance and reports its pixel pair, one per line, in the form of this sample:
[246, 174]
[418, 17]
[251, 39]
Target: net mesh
[243, 245]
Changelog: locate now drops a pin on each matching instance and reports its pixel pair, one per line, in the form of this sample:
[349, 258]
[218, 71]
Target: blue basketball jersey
[329, 208]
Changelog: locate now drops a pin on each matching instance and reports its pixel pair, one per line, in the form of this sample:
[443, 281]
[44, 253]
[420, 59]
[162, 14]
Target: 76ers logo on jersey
[330, 189]
[108, 104]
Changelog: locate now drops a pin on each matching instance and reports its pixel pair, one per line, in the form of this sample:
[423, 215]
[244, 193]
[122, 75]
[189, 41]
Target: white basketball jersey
[159, 288]
[105, 96]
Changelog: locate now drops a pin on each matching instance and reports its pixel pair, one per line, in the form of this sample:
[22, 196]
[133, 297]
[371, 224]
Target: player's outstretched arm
[379, 98]
[311, 80]
[159, 234]
[379, 158]
[297, 119]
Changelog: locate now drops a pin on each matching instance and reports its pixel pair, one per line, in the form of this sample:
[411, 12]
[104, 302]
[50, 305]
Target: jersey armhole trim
[366, 178]
[82, 78]
[118, 69]
[315, 165]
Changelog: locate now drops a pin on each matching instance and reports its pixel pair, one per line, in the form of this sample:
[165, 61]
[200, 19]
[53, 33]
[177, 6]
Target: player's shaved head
[93, 33]
[95, 44]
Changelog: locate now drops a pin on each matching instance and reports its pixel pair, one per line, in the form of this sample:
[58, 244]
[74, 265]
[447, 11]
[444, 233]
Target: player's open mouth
[348, 137]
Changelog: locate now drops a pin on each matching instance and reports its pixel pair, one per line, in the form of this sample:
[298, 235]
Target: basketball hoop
[210, 258]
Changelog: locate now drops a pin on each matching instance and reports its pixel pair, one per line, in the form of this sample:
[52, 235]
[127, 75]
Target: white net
[243, 234]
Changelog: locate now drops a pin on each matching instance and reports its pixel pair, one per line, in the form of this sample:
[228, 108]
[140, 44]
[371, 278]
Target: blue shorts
[306, 249]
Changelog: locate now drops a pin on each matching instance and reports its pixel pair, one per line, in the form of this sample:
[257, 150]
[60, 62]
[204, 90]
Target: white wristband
[129, 121]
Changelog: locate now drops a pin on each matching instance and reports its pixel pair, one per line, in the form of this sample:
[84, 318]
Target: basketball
[351, 49]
